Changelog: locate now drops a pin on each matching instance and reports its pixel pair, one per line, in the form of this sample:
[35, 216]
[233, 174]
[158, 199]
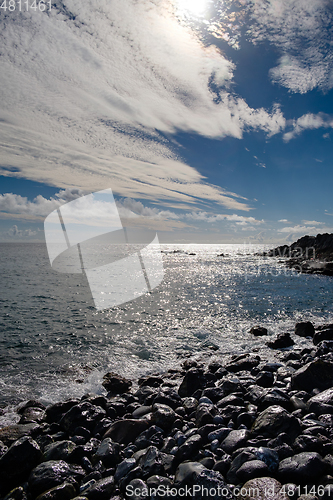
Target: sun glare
[193, 7]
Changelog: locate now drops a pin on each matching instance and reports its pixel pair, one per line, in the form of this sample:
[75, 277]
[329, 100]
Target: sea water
[54, 344]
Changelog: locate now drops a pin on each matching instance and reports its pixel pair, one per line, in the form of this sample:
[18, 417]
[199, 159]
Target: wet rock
[65, 491]
[251, 470]
[316, 374]
[258, 331]
[189, 448]
[235, 439]
[230, 384]
[242, 363]
[154, 462]
[12, 433]
[55, 412]
[323, 335]
[187, 471]
[101, 489]
[60, 450]
[124, 467]
[137, 490]
[116, 384]
[107, 452]
[264, 488]
[275, 420]
[151, 436]
[265, 379]
[213, 393]
[151, 381]
[241, 458]
[190, 404]
[266, 455]
[193, 380]
[274, 397]
[204, 414]
[167, 397]
[30, 415]
[125, 431]
[19, 460]
[141, 411]
[302, 468]
[304, 329]
[324, 347]
[84, 414]
[281, 341]
[163, 416]
[211, 486]
[49, 474]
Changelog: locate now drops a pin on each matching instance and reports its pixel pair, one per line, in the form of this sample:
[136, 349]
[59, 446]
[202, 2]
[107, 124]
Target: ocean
[54, 344]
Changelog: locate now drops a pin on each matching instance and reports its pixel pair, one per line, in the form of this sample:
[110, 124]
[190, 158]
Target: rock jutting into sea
[309, 254]
[217, 427]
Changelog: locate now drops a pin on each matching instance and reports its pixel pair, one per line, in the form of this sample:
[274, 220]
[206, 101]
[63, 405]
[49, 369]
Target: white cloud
[238, 219]
[283, 220]
[309, 121]
[298, 229]
[40, 207]
[88, 91]
[312, 223]
[15, 232]
[301, 30]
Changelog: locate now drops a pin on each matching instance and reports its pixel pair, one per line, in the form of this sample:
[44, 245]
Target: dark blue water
[53, 342]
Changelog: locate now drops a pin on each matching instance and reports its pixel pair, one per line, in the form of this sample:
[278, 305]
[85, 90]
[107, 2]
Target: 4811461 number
[25, 5]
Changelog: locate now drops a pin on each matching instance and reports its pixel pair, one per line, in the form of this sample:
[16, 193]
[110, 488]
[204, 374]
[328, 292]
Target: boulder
[49, 474]
[163, 416]
[235, 439]
[304, 329]
[281, 341]
[115, 384]
[65, 491]
[127, 430]
[263, 488]
[302, 468]
[84, 414]
[193, 380]
[316, 374]
[275, 420]
[12, 433]
[20, 459]
[108, 453]
[323, 335]
[101, 489]
[258, 331]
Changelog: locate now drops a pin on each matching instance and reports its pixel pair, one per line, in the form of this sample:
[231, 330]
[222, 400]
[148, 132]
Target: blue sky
[210, 120]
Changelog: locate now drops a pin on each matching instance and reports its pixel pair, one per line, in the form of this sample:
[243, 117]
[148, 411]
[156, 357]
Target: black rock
[281, 341]
[55, 412]
[265, 379]
[243, 362]
[49, 474]
[302, 468]
[84, 414]
[60, 450]
[124, 467]
[65, 491]
[188, 471]
[116, 384]
[137, 490]
[323, 335]
[251, 470]
[258, 331]
[316, 374]
[101, 489]
[235, 439]
[31, 414]
[19, 460]
[193, 380]
[204, 414]
[189, 448]
[107, 452]
[163, 416]
[304, 329]
[211, 486]
[12, 433]
[126, 431]
[275, 420]
[154, 462]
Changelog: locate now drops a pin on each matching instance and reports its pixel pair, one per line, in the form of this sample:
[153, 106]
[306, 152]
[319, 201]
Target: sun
[195, 8]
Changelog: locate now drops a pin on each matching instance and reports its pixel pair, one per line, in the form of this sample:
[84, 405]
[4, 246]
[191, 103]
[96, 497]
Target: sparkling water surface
[54, 344]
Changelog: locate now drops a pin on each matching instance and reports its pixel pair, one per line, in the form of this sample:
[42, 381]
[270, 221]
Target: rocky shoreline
[308, 255]
[241, 427]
